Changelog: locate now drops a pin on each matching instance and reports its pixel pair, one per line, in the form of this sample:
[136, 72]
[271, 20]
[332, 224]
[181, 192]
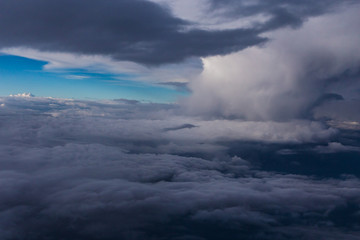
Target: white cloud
[281, 79]
[22, 95]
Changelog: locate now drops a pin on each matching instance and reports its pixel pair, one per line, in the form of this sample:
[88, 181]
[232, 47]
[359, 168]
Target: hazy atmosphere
[179, 119]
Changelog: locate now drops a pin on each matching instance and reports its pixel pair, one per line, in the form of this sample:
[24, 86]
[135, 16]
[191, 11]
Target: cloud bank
[121, 169]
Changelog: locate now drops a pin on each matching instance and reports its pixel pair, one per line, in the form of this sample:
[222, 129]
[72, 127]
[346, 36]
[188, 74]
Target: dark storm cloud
[281, 12]
[137, 30]
[134, 30]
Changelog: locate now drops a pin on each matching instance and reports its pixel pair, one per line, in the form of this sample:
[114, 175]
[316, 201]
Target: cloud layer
[124, 169]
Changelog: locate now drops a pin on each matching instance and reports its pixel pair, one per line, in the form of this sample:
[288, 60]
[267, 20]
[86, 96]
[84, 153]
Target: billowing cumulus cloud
[287, 76]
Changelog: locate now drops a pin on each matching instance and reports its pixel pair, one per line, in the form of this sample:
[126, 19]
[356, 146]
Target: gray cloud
[339, 110]
[107, 170]
[91, 191]
[281, 13]
[184, 126]
[139, 31]
[177, 85]
[140, 127]
[333, 147]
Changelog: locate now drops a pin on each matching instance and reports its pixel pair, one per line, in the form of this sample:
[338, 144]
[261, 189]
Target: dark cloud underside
[282, 12]
[135, 30]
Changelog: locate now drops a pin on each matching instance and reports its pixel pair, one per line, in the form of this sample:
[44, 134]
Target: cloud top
[121, 169]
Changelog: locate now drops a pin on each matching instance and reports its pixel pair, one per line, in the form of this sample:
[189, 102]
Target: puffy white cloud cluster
[22, 95]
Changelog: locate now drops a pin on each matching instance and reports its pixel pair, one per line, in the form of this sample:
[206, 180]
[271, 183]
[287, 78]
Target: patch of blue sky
[19, 74]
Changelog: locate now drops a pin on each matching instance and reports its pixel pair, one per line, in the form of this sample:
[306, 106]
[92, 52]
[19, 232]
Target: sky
[19, 75]
[179, 119]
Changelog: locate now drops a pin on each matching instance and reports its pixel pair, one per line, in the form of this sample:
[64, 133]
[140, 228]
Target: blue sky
[19, 75]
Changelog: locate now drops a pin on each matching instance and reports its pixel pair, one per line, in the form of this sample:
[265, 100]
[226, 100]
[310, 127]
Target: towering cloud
[284, 78]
